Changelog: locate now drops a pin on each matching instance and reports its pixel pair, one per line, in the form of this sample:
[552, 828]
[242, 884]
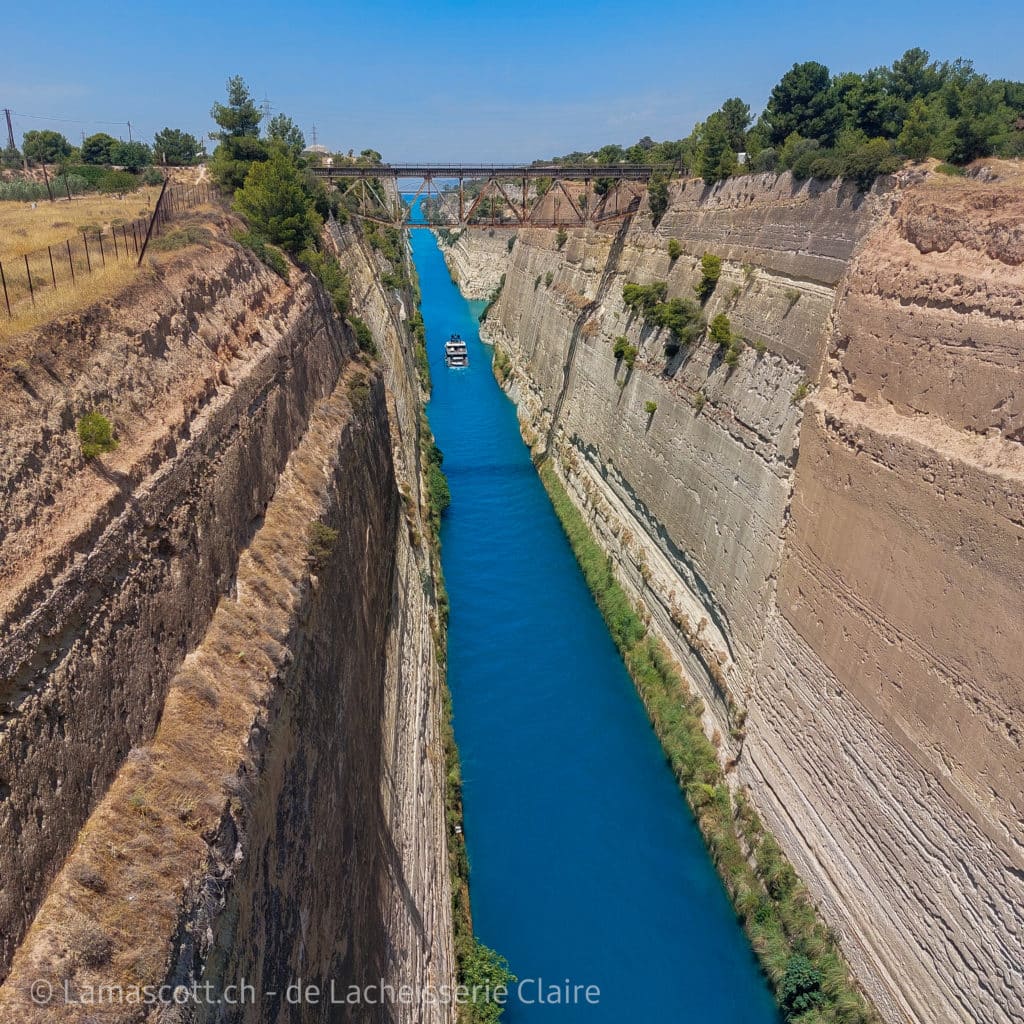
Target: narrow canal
[586, 863]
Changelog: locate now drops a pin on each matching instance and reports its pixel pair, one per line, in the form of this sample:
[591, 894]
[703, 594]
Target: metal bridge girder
[622, 199]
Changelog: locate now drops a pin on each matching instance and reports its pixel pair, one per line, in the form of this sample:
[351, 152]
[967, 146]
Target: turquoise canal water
[586, 863]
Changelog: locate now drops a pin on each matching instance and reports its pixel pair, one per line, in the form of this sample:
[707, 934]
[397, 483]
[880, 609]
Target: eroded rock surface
[827, 536]
[234, 730]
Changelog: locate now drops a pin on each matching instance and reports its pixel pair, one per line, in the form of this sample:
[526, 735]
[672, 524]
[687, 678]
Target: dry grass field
[97, 274]
[24, 230]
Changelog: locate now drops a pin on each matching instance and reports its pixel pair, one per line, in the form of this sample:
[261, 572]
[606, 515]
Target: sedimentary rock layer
[838, 575]
[478, 260]
[110, 571]
[280, 813]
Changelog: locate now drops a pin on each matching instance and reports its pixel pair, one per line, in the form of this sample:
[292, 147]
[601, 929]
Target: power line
[65, 120]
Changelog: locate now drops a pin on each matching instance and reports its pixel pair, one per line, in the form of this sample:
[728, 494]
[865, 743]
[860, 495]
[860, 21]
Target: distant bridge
[497, 195]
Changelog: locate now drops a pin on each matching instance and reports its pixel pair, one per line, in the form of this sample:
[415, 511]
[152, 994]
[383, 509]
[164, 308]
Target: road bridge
[475, 195]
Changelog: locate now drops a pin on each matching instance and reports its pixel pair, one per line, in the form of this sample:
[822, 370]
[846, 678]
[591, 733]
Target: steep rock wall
[111, 571]
[835, 575]
[286, 818]
[902, 575]
[477, 260]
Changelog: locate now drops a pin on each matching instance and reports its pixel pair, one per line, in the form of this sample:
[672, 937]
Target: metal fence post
[71, 262]
[7, 299]
[152, 221]
[28, 274]
[103, 255]
[85, 242]
[53, 273]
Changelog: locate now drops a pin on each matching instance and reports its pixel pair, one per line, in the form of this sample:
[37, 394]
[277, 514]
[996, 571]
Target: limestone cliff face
[477, 260]
[280, 812]
[111, 573]
[839, 576]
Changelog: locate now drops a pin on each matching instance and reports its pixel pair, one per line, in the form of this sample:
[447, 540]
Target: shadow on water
[586, 862]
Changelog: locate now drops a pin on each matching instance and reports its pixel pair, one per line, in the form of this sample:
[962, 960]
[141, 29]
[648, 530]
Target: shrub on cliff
[96, 435]
[275, 202]
[643, 298]
[492, 298]
[320, 543]
[274, 258]
[657, 197]
[484, 973]
[800, 988]
[331, 276]
[675, 250]
[710, 272]
[622, 350]
[364, 336]
[501, 364]
[682, 317]
[721, 331]
[437, 486]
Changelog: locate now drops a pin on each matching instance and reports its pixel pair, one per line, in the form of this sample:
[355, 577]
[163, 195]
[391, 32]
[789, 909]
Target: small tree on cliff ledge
[657, 197]
[276, 203]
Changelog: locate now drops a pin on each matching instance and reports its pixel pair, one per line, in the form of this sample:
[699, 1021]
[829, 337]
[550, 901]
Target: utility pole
[129, 131]
[265, 108]
[313, 143]
[10, 138]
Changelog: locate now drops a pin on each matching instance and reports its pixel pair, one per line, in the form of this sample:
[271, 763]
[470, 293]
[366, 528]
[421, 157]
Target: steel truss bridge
[493, 195]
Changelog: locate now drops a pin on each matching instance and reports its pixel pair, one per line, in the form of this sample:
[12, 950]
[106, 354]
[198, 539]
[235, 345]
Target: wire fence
[28, 279]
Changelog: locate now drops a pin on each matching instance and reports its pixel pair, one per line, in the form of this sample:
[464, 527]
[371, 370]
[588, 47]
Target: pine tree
[715, 157]
[240, 145]
[276, 203]
[918, 135]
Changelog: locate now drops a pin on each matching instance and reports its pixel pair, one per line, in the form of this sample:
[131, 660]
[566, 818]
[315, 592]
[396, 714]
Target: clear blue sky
[457, 80]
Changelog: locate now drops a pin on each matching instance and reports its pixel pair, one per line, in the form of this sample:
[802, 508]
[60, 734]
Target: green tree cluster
[175, 148]
[717, 141]
[853, 125]
[45, 146]
[284, 204]
[863, 124]
[683, 318]
[98, 149]
[132, 156]
[275, 201]
[643, 298]
[487, 977]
